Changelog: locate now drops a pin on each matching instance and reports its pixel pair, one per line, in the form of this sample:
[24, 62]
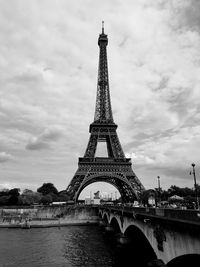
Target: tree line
[188, 194]
[48, 193]
[45, 194]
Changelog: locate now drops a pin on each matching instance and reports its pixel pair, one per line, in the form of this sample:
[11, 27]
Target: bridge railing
[177, 214]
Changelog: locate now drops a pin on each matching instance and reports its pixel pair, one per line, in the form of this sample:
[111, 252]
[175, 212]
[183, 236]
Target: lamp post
[158, 189]
[195, 186]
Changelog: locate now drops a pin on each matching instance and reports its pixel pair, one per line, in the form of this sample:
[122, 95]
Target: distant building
[58, 203]
[175, 197]
[89, 201]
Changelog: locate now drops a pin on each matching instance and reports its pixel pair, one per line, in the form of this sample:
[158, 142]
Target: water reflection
[73, 246]
[87, 248]
[68, 246]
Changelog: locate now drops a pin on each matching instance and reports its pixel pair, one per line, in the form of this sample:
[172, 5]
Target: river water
[71, 246]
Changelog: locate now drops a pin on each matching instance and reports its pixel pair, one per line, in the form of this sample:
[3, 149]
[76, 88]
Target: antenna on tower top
[103, 27]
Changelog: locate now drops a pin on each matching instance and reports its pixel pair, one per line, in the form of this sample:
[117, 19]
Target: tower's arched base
[116, 172]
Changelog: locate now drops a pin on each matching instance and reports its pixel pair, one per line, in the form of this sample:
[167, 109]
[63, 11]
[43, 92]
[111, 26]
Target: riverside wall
[48, 215]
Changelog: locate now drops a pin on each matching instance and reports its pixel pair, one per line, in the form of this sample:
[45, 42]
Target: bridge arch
[115, 224]
[163, 243]
[185, 260]
[105, 218]
[124, 187]
[140, 245]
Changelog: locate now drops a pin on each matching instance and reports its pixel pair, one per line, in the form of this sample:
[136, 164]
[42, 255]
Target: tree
[4, 192]
[63, 196]
[28, 197]
[47, 188]
[145, 195]
[13, 200]
[4, 200]
[181, 192]
[46, 199]
[14, 194]
[27, 191]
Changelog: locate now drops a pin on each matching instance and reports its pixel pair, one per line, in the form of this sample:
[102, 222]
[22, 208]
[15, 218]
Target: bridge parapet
[191, 217]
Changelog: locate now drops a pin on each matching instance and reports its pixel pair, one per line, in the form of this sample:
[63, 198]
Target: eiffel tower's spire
[102, 27]
[103, 111]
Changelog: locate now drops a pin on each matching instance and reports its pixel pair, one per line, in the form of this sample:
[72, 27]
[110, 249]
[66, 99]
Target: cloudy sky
[48, 77]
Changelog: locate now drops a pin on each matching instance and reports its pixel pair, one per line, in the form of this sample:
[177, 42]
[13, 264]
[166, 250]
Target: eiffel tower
[115, 169]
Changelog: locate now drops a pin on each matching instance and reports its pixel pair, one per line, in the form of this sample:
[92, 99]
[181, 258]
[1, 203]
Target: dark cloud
[162, 84]
[35, 144]
[190, 15]
[5, 157]
[177, 172]
[123, 41]
[44, 140]
[28, 77]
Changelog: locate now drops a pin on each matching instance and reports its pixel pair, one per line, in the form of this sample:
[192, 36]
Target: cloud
[4, 157]
[5, 186]
[45, 139]
[169, 155]
[49, 66]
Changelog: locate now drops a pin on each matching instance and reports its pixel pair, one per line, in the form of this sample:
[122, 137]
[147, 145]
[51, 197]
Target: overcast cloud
[48, 63]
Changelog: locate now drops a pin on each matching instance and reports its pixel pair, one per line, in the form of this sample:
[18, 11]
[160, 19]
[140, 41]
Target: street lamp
[158, 189]
[195, 186]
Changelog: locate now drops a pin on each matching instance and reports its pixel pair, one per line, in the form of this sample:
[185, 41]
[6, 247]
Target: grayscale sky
[48, 76]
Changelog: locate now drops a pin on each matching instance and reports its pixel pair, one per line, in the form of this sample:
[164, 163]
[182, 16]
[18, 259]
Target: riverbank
[41, 217]
[47, 223]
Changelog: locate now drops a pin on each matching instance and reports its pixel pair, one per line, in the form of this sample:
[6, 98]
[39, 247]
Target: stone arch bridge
[163, 237]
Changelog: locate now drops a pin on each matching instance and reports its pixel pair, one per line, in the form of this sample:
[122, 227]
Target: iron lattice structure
[115, 169]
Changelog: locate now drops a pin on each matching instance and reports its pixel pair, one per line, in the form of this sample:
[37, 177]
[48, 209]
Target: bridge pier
[109, 228]
[102, 223]
[123, 240]
[156, 263]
